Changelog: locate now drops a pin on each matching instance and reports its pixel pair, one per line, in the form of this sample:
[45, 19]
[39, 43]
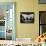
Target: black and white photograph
[27, 17]
[42, 22]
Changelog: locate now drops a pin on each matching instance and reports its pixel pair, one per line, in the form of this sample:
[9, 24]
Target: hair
[44, 34]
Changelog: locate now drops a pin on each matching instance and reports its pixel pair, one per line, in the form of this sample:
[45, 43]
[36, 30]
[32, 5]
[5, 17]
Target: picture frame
[42, 1]
[7, 28]
[42, 22]
[27, 17]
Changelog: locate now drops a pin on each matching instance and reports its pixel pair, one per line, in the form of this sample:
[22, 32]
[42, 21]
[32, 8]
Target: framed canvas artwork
[27, 17]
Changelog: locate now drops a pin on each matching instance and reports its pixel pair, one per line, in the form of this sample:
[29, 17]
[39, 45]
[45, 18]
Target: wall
[27, 30]
[24, 30]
